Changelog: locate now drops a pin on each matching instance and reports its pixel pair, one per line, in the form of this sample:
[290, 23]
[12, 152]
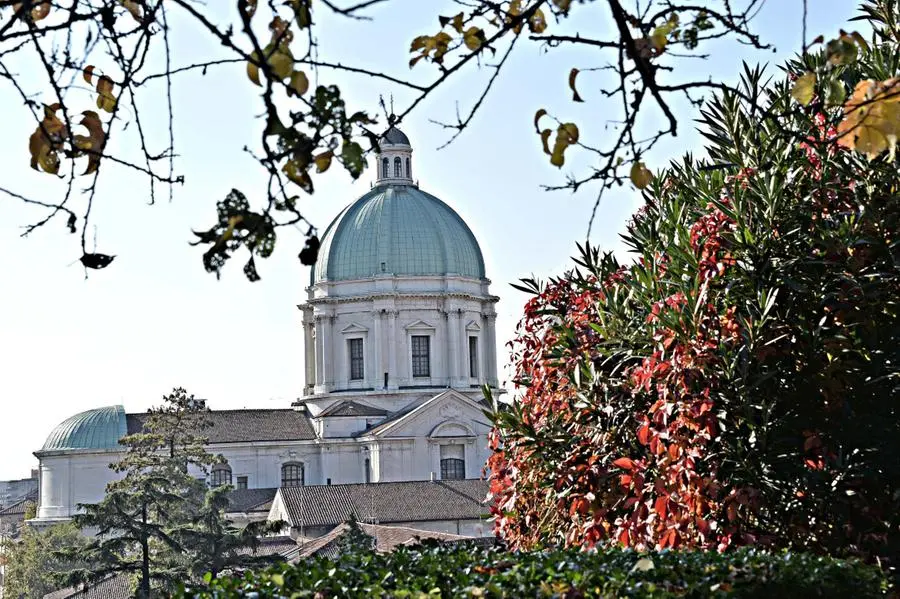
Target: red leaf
[643, 434]
[625, 463]
[660, 507]
[623, 538]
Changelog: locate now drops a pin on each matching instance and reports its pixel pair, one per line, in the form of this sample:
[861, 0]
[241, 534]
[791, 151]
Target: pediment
[354, 327]
[449, 409]
[473, 327]
[419, 325]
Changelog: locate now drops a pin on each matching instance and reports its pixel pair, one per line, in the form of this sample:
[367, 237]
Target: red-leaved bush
[738, 383]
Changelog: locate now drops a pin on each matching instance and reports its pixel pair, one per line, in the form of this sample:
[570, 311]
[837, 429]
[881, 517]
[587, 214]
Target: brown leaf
[88, 74]
[572, 75]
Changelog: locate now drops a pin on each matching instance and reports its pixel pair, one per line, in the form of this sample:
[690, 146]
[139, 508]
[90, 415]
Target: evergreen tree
[160, 521]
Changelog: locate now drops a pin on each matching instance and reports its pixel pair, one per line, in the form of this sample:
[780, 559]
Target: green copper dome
[95, 429]
[397, 230]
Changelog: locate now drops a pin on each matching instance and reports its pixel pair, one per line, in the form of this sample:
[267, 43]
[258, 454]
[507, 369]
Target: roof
[284, 546]
[352, 408]
[408, 501]
[20, 507]
[395, 136]
[95, 429]
[250, 500]
[242, 426]
[387, 538]
[115, 587]
[398, 230]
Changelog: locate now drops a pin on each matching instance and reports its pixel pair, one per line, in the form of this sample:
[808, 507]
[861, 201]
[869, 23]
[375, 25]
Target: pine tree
[160, 522]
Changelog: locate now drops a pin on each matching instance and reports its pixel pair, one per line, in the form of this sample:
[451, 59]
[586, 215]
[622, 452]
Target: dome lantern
[394, 160]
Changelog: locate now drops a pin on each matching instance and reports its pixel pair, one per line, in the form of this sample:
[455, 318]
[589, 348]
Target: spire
[394, 161]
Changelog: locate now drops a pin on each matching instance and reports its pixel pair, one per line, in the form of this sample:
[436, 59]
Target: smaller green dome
[95, 429]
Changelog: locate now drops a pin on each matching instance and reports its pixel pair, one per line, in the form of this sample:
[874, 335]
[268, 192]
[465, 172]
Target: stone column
[309, 354]
[490, 350]
[452, 360]
[328, 352]
[320, 351]
[392, 343]
[375, 342]
[462, 351]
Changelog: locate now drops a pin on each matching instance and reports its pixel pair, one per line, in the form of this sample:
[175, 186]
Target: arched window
[220, 475]
[453, 462]
[398, 168]
[292, 474]
[385, 168]
[408, 170]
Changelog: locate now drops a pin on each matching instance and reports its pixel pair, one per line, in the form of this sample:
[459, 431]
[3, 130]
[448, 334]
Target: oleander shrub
[738, 383]
[469, 571]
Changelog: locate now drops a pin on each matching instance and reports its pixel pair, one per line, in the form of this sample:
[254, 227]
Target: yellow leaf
[105, 99]
[253, 70]
[281, 61]
[537, 23]
[566, 135]
[323, 161]
[640, 175]
[40, 11]
[299, 82]
[871, 120]
[473, 38]
[572, 75]
[804, 88]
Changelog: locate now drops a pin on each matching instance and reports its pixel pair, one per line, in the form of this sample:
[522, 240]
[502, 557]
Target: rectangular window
[473, 357]
[421, 356]
[242, 482]
[357, 368]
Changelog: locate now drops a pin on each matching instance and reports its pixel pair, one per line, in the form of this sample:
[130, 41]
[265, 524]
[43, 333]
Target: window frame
[243, 482]
[290, 465]
[216, 478]
[398, 168]
[353, 361]
[385, 168]
[412, 354]
[474, 362]
[453, 469]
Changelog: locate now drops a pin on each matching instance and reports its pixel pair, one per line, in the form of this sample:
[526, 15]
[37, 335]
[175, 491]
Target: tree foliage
[120, 52]
[159, 522]
[736, 384]
[34, 565]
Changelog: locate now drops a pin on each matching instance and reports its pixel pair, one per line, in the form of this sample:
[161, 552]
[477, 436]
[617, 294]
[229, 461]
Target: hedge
[470, 571]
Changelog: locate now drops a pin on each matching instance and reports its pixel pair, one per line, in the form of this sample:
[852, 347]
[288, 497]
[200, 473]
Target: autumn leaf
[299, 83]
[624, 463]
[134, 8]
[88, 74]
[871, 120]
[253, 69]
[572, 75]
[640, 175]
[105, 98]
[537, 117]
[94, 142]
[566, 135]
[323, 161]
[804, 88]
[46, 140]
[537, 22]
[473, 38]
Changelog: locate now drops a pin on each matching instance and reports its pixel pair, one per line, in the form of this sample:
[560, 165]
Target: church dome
[397, 230]
[395, 136]
[95, 429]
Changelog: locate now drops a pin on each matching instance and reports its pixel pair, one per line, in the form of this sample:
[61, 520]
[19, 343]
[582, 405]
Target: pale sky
[154, 319]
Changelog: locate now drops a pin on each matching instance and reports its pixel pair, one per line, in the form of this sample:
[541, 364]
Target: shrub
[738, 383]
[468, 571]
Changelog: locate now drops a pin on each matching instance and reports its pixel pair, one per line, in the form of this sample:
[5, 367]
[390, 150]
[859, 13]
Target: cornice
[347, 299]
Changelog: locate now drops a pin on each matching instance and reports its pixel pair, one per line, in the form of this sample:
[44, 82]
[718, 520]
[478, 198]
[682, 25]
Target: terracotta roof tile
[412, 501]
[242, 426]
